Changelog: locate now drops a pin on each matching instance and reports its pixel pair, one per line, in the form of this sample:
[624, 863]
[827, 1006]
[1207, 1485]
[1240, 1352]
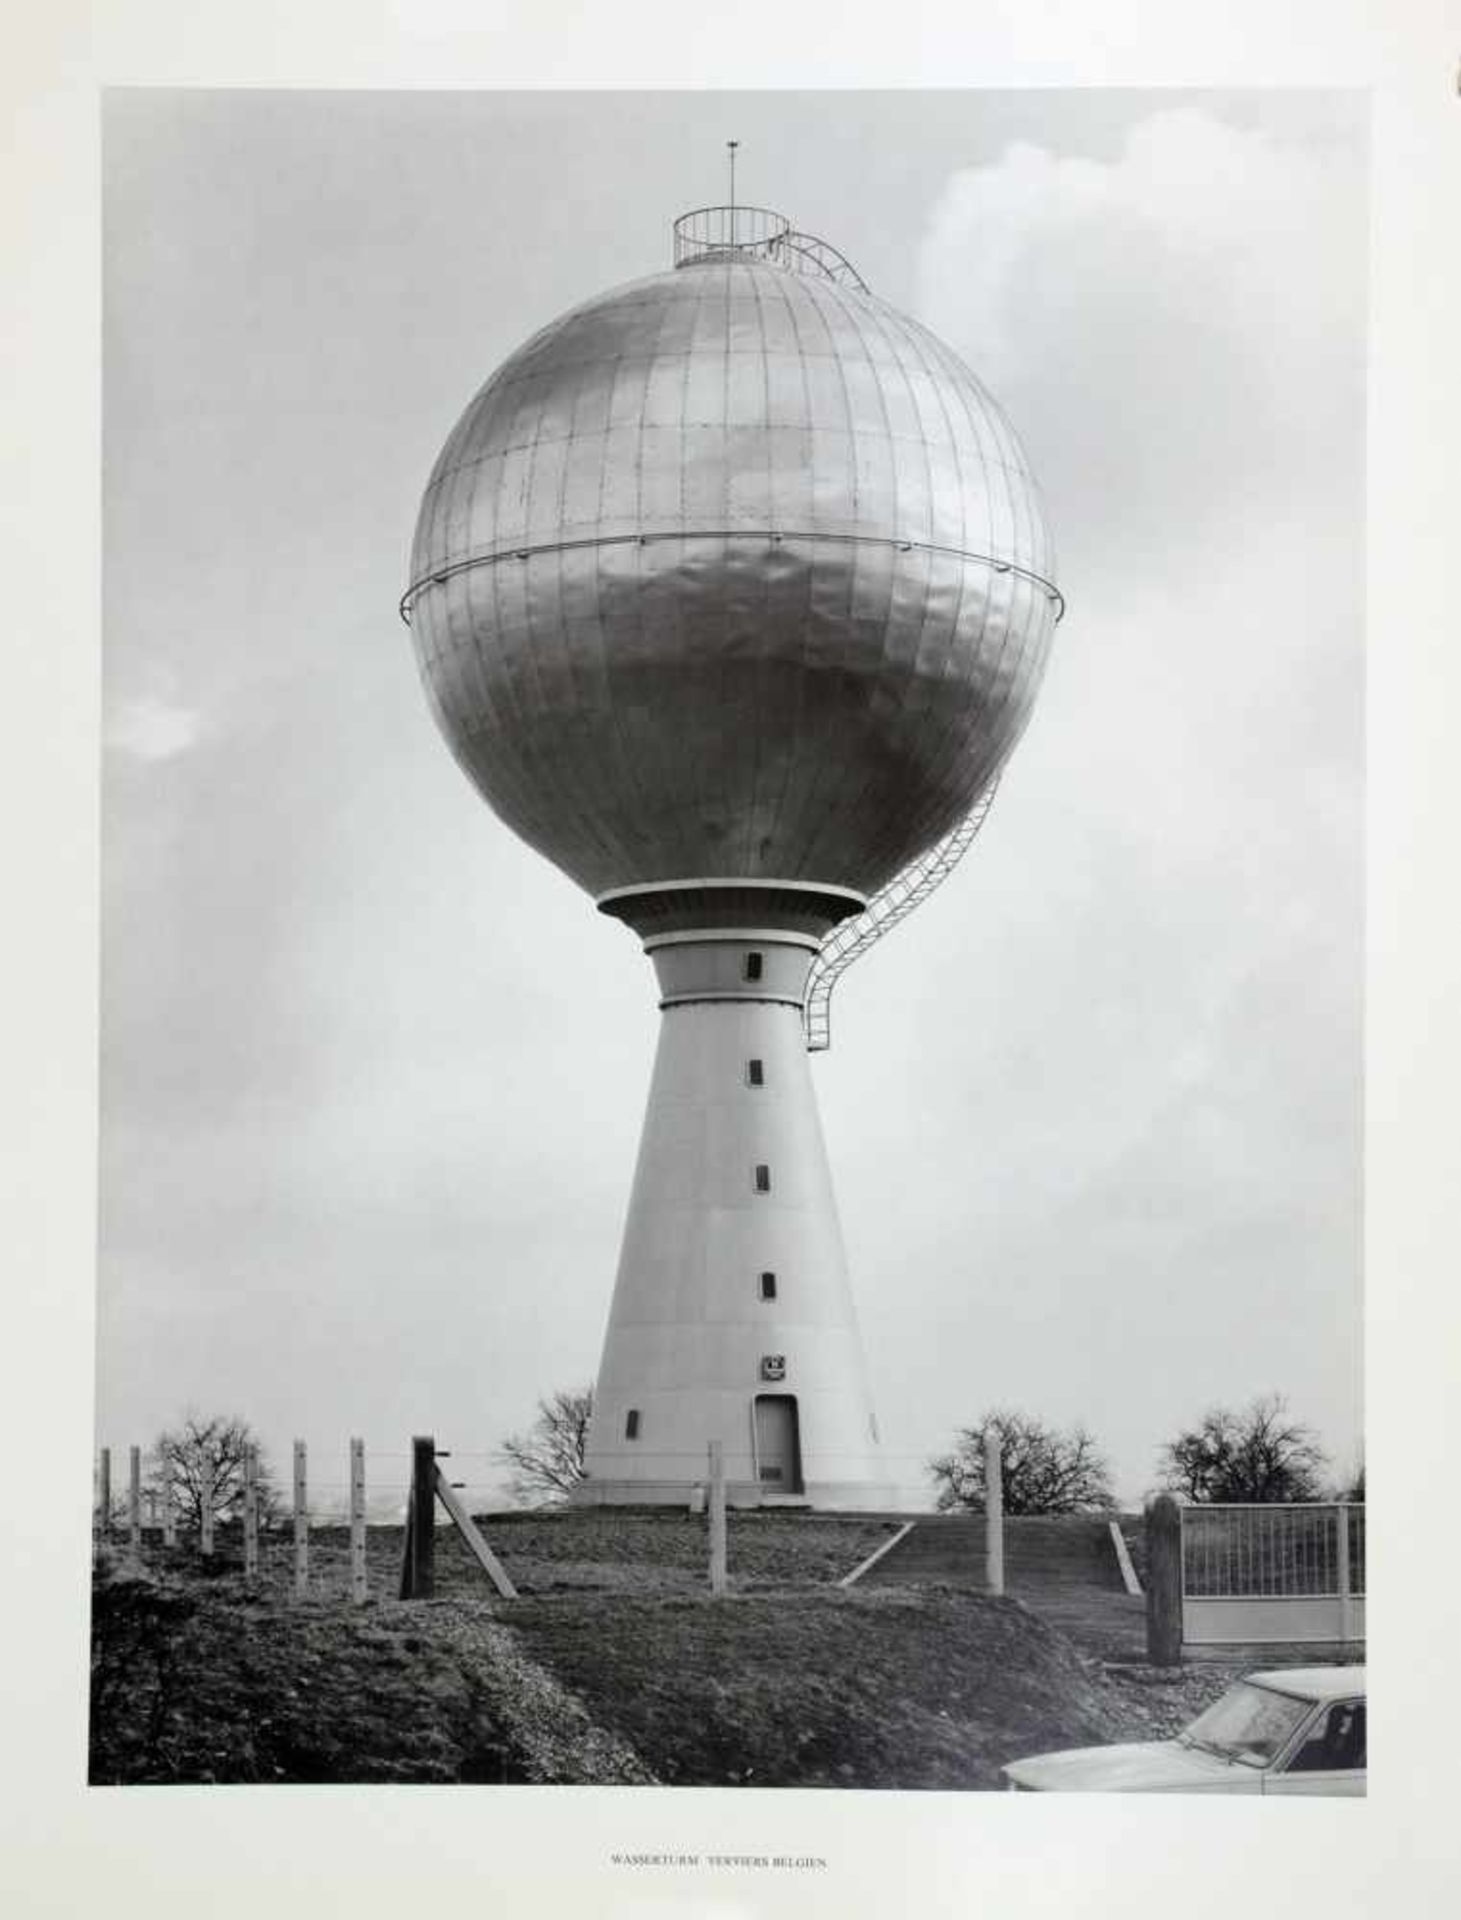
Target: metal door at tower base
[778, 1443]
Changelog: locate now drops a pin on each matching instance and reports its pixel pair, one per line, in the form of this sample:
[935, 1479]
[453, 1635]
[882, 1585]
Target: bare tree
[1259, 1455]
[1042, 1469]
[548, 1460]
[202, 1461]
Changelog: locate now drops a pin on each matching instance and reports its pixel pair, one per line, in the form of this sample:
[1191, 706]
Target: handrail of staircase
[894, 902]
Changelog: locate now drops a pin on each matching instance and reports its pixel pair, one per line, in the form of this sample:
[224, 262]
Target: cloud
[1156, 947]
[153, 729]
[1170, 329]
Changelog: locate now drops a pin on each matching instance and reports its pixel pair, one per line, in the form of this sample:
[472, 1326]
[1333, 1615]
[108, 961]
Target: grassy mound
[592, 1548]
[926, 1688]
[637, 1550]
[614, 1667]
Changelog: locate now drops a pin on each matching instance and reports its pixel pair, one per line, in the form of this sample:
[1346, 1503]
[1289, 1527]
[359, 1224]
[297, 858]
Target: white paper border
[65, 1849]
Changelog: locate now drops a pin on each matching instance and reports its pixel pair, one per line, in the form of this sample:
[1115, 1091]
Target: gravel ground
[1158, 1702]
[557, 1740]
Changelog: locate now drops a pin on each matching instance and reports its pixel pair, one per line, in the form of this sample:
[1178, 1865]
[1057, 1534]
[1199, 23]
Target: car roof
[1317, 1683]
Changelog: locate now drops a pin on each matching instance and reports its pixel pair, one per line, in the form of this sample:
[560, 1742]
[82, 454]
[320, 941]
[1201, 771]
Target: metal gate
[1272, 1573]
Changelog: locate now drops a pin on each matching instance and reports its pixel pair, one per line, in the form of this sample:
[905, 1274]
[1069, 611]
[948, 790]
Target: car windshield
[1249, 1724]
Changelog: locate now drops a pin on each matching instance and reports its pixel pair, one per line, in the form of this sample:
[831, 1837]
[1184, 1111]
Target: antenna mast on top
[731, 146]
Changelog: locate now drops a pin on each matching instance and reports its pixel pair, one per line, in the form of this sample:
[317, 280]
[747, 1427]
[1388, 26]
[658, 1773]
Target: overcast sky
[373, 1072]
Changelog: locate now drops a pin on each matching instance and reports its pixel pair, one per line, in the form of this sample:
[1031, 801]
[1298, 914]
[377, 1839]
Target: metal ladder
[904, 892]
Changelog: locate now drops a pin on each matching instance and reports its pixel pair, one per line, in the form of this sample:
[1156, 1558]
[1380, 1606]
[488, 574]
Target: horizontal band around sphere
[817, 709]
[773, 536]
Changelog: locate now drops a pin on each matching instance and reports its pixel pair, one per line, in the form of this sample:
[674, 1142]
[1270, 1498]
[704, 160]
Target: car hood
[1148, 1766]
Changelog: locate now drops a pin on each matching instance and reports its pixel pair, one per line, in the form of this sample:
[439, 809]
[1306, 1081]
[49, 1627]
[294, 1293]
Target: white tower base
[732, 1317]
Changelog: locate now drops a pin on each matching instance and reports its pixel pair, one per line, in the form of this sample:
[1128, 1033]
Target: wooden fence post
[134, 1503]
[717, 1518]
[207, 1489]
[467, 1527]
[251, 1513]
[301, 1520]
[418, 1558]
[993, 1513]
[104, 1494]
[359, 1590]
[1164, 1582]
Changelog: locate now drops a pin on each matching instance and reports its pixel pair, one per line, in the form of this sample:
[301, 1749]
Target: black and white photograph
[896, 563]
[743, 1181]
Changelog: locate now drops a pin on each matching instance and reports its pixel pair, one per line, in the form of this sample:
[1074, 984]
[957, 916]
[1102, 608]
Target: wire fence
[216, 1498]
[486, 1479]
[361, 1538]
[1281, 1551]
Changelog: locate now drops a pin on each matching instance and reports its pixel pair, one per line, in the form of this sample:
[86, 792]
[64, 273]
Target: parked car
[1295, 1731]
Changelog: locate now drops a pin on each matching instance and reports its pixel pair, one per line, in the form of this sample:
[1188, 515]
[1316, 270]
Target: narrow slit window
[755, 1073]
[763, 1178]
[753, 966]
[631, 1424]
[768, 1286]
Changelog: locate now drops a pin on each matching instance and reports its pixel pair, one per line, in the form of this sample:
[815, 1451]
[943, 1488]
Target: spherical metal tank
[735, 572]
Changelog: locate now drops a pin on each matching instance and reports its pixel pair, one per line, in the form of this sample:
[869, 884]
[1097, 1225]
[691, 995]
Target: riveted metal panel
[731, 570]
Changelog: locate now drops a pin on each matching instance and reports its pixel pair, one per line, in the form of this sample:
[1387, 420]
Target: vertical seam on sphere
[807, 809]
[875, 317]
[797, 721]
[913, 698]
[516, 664]
[736, 744]
[638, 755]
[684, 830]
[855, 799]
[874, 321]
[961, 733]
[626, 762]
[942, 378]
[1006, 668]
[686, 358]
[973, 399]
[758, 677]
[619, 758]
[936, 755]
[495, 695]
[533, 688]
[577, 778]
[987, 422]
[696, 761]
[862, 557]
[499, 491]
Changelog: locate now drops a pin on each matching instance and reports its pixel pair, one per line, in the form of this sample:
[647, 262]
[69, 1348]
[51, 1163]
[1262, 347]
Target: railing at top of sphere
[709, 232]
[759, 233]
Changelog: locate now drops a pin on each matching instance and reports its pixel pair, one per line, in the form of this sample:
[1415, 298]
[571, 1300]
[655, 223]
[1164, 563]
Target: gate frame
[1170, 1606]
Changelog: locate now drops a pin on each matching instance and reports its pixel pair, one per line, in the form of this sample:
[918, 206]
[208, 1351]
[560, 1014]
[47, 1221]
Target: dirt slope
[209, 1682]
[890, 1688]
[614, 1666]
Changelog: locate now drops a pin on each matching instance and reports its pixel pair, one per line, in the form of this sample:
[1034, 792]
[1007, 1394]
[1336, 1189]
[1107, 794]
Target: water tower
[730, 594]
